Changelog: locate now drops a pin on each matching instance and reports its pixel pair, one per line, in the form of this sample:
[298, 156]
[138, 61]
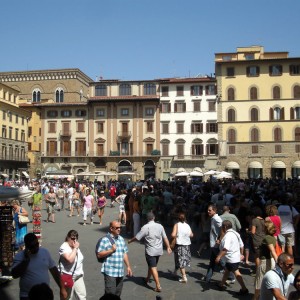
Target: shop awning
[4, 175]
[296, 164]
[278, 165]
[255, 165]
[25, 174]
[232, 165]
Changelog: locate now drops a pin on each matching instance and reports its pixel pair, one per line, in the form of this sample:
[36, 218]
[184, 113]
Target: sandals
[157, 289]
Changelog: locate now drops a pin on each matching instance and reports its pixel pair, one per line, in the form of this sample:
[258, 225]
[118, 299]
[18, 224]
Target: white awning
[278, 165]
[4, 175]
[232, 165]
[25, 174]
[255, 165]
[296, 164]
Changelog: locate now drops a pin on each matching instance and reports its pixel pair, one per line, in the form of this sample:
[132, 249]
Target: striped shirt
[114, 264]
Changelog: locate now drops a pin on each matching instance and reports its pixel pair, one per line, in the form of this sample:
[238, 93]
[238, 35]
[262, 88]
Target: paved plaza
[134, 288]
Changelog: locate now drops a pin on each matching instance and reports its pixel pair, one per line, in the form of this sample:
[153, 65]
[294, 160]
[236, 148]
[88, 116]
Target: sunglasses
[73, 238]
[116, 227]
[289, 265]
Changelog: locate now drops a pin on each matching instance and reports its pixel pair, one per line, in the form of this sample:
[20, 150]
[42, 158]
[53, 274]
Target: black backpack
[102, 259]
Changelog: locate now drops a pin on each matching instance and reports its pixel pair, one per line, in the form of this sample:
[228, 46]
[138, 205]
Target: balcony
[189, 157]
[65, 133]
[124, 134]
[13, 158]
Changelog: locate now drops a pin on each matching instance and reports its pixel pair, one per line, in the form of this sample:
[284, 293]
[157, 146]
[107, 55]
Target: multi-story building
[259, 112]
[13, 139]
[124, 127]
[57, 100]
[188, 125]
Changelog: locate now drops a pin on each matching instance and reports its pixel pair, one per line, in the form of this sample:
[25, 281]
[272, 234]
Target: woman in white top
[71, 262]
[182, 253]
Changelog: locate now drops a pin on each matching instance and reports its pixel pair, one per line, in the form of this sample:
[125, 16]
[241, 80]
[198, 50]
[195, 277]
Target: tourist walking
[37, 203]
[182, 232]
[88, 207]
[71, 263]
[113, 250]
[101, 203]
[51, 200]
[154, 235]
[20, 229]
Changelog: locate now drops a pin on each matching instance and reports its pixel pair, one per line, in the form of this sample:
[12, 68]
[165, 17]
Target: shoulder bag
[67, 279]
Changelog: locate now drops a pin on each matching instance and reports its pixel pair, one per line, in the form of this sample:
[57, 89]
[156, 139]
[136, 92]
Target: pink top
[277, 222]
[88, 201]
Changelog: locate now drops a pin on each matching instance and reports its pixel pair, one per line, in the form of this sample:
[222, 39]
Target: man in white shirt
[231, 248]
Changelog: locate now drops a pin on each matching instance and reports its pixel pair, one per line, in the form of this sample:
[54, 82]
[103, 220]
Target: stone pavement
[54, 235]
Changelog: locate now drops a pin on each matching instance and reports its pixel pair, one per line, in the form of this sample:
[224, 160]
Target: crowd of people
[238, 220]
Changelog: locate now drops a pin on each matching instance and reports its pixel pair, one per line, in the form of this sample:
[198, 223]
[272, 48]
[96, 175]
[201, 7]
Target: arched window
[296, 91]
[254, 136]
[277, 135]
[276, 92]
[254, 114]
[231, 136]
[231, 115]
[276, 113]
[36, 95]
[230, 94]
[253, 93]
[59, 95]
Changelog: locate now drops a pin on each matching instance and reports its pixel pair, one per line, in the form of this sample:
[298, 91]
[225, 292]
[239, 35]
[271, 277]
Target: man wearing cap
[154, 235]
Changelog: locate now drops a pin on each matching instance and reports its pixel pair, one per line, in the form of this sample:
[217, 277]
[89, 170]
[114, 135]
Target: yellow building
[259, 112]
[13, 139]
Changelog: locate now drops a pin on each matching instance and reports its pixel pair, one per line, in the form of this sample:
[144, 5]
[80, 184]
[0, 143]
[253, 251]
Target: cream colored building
[259, 112]
[13, 139]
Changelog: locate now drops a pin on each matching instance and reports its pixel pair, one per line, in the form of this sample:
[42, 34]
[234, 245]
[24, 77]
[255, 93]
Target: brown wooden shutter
[160, 107]
[282, 114]
[192, 128]
[184, 107]
[292, 113]
[271, 114]
[175, 107]
[201, 127]
[169, 107]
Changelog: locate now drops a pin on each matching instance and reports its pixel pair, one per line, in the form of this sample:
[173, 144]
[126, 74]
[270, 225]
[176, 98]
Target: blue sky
[140, 39]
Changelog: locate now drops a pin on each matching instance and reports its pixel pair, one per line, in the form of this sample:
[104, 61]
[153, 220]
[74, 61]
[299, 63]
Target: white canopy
[211, 172]
[196, 174]
[183, 173]
[223, 174]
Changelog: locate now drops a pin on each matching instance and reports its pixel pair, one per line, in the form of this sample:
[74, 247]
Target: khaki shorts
[289, 239]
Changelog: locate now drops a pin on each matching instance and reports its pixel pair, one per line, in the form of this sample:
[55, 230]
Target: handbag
[67, 279]
[173, 241]
[23, 219]
[278, 249]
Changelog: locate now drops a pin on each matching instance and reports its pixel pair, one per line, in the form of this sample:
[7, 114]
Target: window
[276, 92]
[211, 127]
[100, 127]
[149, 111]
[254, 114]
[277, 135]
[51, 127]
[66, 113]
[165, 128]
[254, 149]
[275, 70]
[231, 136]
[29, 131]
[231, 115]
[211, 105]
[297, 113]
[196, 128]
[254, 135]
[52, 114]
[294, 69]
[277, 148]
[180, 150]
[179, 107]
[59, 95]
[101, 90]
[165, 91]
[179, 90]
[16, 134]
[23, 121]
[277, 113]
[165, 107]
[10, 129]
[165, 149]
[149, 148]
[3, 115]
[149, 126]
[17, 119]
[100, 150]
[197, 149]
[80, 113]
[297, 148]
[210, 89]
[253, 93]
[80, 147]
[231, 149]
[149, 89]
[124, 112]
[212, 149]
[100, 112]
[36, 95]
[125, 89]
[252, 71]
[230, 72]
[297, 134]
[249, 56]
[197, 106]
[4, 131]
[226, 57]
[230, 94]
[196, 90]
[80, 127]
[296, 91]
[180, 127]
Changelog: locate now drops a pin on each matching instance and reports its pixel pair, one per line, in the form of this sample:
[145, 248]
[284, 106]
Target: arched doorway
[149, 169]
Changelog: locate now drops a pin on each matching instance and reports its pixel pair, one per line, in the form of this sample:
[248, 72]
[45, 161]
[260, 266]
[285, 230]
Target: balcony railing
[65, 133]
[124, 134]
[13, 158]
[189, 157]
[97, 154]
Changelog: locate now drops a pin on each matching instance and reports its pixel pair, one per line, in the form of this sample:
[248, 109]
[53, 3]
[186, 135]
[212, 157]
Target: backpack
[102, 259]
